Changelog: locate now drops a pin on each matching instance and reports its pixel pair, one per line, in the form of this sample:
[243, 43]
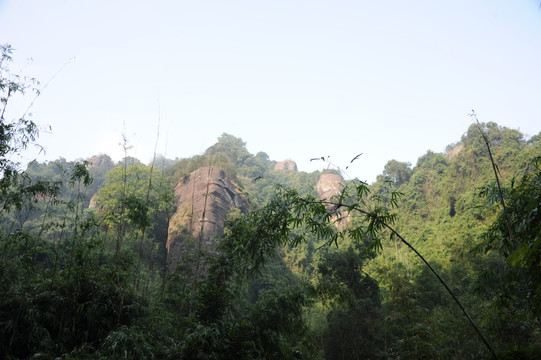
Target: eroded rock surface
[328, 186]
[204, 198]
[286, 165]
[454, 151]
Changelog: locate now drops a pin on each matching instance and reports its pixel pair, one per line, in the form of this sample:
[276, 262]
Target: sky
[296, 79]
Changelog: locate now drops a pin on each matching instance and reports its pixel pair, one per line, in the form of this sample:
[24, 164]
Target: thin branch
[38, 92]
[495, 168]
[377, 219]
[5, 105]
[446, 287]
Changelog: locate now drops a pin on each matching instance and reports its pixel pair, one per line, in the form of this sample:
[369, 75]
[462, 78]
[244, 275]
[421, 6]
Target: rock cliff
[328, 186]
[454, 151]
[286, 165]
[204, 198]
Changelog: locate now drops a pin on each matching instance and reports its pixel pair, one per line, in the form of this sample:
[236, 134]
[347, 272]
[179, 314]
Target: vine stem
[495, 168]
[444, 284]
[403, 240]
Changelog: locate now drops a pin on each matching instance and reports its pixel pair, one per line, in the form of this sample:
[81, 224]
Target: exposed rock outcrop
[93, 201]
[328, 186]
[286, 165]
[204, 198]
[102, 161]
[455, 150]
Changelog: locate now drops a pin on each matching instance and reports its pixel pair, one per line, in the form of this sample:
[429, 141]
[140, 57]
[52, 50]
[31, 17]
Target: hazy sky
[295, 79]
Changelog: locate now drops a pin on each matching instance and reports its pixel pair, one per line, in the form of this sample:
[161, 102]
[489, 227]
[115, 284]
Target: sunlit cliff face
[204, 198]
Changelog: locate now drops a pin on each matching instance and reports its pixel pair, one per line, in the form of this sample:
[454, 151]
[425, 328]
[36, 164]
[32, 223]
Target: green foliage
[518, 236]
[232, 149]
[73, 179]
[98, 167]
[235, 319]
[126, 343]
[355, 322]
[228, 154]
[445, 218]
[54, 309]
[290, 280]
[132, 199]
[396, 172]
[15, 134]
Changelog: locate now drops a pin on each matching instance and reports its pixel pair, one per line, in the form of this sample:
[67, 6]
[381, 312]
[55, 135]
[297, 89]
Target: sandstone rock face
[204, 199]
[93, 202]
[330, 185]
[452, 153]
[102, 160]
[286, 165]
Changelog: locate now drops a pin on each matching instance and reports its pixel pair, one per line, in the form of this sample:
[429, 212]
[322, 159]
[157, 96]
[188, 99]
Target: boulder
[101, 160]
[328, 186]
[286, 165]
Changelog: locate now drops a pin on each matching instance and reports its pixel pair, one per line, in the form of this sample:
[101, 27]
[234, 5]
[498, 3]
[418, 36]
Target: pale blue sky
[296, 79]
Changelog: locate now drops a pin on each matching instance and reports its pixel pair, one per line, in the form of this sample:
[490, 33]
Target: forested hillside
[294, 274]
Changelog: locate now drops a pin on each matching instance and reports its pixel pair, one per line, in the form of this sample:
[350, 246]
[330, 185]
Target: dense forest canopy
[85, 271]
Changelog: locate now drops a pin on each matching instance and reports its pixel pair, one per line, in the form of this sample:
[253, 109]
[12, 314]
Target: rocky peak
[286, 165]
[203, 200]
[329, 185]
[101, 160]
